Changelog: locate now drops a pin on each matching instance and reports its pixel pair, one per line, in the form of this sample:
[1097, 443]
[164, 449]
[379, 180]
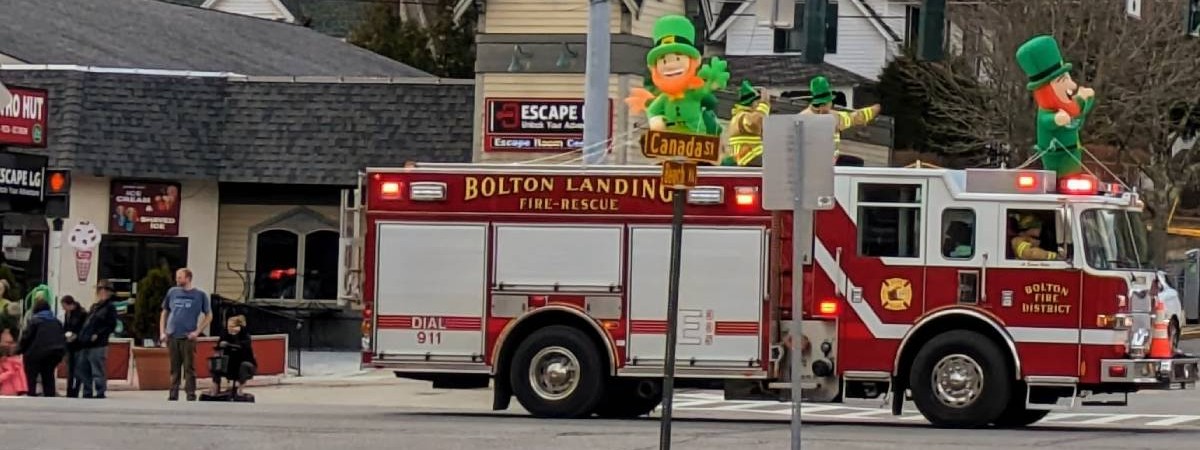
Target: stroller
[218, 366]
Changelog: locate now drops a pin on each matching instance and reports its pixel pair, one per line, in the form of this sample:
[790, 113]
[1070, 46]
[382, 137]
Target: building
[533, 53]
[229, 155]
[332, 17]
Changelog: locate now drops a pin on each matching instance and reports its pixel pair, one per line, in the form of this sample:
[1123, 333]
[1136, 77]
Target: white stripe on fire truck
[897, 331]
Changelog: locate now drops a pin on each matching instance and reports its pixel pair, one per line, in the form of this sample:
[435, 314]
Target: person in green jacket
[1063, 105]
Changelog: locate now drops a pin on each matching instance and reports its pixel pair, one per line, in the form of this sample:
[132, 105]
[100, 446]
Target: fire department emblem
[896, 294]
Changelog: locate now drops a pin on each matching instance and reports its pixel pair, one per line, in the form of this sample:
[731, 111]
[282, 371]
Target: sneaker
[173, 398]
[191, 397]
[99, 396]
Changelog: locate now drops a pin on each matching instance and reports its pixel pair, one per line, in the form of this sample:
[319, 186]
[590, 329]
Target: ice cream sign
[144, 208]
[84, 238]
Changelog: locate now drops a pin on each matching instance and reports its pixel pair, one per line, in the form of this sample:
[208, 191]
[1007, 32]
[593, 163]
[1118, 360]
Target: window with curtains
[294, 257]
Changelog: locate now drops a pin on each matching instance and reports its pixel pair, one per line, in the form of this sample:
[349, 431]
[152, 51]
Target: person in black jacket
[235, 344]
[73, 318]
[93, 342]
[43, 344]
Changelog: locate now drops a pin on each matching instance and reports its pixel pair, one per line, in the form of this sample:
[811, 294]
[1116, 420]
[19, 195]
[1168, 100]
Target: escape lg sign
[23, 118]
[534, 125]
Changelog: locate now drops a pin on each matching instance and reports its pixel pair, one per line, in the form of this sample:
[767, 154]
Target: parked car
[1174, 308]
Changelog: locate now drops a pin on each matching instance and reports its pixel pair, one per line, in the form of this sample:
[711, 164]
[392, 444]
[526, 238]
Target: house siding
[233, 240]
[651, 11]
[533, 86]
[542, 17]
[264, 9]
[861, 48]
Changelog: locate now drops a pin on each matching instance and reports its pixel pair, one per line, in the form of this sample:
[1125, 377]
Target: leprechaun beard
[1047, 99]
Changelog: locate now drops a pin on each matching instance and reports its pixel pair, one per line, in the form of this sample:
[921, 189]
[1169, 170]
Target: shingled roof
[780, 71]
[153, 34]
[237, 129]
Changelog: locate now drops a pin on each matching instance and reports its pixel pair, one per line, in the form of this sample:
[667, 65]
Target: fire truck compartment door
[430, 282]
[721, 290]
[558, 257]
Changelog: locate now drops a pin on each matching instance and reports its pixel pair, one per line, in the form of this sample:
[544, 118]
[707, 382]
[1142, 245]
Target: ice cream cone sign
[84, 238]
[1063, 105]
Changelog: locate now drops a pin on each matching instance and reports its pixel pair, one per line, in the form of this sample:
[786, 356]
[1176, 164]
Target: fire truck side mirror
[1065, 230]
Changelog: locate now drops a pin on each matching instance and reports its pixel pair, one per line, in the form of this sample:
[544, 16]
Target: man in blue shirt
[185, 311]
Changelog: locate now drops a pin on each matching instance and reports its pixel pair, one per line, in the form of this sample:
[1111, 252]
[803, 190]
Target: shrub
[148, 304]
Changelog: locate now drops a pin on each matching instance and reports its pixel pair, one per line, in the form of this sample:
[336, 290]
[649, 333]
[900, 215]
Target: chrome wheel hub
[554, 373]
[957, 381]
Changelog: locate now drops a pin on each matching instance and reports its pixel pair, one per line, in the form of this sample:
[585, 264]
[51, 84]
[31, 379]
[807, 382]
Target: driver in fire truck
[1026, 245]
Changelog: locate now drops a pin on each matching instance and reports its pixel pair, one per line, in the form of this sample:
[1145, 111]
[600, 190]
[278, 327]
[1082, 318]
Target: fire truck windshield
[1115, 239]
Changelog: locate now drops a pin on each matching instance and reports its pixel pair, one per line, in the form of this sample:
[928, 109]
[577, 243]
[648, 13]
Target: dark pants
[183, 355]
[42, 366]
[92, 374]
[73, 382]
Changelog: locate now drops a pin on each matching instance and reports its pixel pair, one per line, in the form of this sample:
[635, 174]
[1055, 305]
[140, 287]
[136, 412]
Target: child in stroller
[233, 361]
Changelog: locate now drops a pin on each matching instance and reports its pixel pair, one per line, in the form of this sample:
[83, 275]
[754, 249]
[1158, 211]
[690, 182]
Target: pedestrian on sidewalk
[12, 369]
[185, 312]
[43, 345]
[93, 342]
[74, 317]
[237, 350]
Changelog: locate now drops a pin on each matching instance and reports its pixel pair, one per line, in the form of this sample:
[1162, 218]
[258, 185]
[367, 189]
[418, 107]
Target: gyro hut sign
[23, 117]
[144, 208]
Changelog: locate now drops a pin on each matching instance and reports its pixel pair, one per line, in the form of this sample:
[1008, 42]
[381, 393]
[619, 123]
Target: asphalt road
[402, 415]
[139, 424]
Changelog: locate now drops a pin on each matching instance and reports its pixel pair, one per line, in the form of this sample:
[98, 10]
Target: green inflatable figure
[643, 97]
[1063, 105]
[684, 86]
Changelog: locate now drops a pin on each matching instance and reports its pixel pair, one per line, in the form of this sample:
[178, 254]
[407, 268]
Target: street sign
[678, 174]
[671, 145]
[791, 141]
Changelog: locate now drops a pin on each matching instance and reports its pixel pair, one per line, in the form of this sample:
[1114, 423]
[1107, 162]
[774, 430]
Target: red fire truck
[550, 283]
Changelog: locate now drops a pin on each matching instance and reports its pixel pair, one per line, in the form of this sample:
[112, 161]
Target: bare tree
[1146, 74]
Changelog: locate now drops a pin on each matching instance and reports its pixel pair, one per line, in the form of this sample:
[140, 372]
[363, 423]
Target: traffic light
[814, 31]
[58, 192]
[1193, 18]
[931, 34]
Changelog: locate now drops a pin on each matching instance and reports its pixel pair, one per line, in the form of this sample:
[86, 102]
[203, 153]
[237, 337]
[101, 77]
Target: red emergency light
[390, 190]
[1081, 184]
[828, 307]
[1027, 182]
[744, 196]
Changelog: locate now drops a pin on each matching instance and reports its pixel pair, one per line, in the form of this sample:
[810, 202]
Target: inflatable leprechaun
[641, 97]
[822, 103]
[683, 84]
[1063, 106]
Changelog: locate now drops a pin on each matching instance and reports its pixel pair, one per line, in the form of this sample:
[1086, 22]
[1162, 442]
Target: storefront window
[295, 258]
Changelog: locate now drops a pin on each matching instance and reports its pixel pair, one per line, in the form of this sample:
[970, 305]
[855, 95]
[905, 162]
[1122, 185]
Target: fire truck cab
[550, 283]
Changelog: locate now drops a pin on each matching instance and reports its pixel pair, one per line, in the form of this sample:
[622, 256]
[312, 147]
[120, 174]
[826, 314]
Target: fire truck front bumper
[1151, 373]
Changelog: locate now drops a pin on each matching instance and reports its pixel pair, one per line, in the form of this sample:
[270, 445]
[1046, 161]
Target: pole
[55, 256]
[801, 247]
[679, 197]
[595, 101]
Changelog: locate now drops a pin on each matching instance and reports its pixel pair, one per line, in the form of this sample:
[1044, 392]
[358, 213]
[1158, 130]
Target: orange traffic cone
[1160, 343]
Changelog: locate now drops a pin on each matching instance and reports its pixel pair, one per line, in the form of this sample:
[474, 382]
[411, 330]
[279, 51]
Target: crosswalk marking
[1110, 419]
[1173, 421]
[715, 403]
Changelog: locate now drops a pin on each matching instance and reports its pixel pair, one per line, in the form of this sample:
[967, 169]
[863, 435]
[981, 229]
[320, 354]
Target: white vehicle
[1173, 306]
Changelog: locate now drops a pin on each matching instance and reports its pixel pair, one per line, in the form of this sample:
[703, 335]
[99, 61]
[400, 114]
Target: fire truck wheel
[557, 373]
[628, 398]
[960, 379]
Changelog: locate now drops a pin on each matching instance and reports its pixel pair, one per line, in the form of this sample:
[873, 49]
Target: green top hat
[821, 93]
[1041, 61]
[747, 95]
[673, 34]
